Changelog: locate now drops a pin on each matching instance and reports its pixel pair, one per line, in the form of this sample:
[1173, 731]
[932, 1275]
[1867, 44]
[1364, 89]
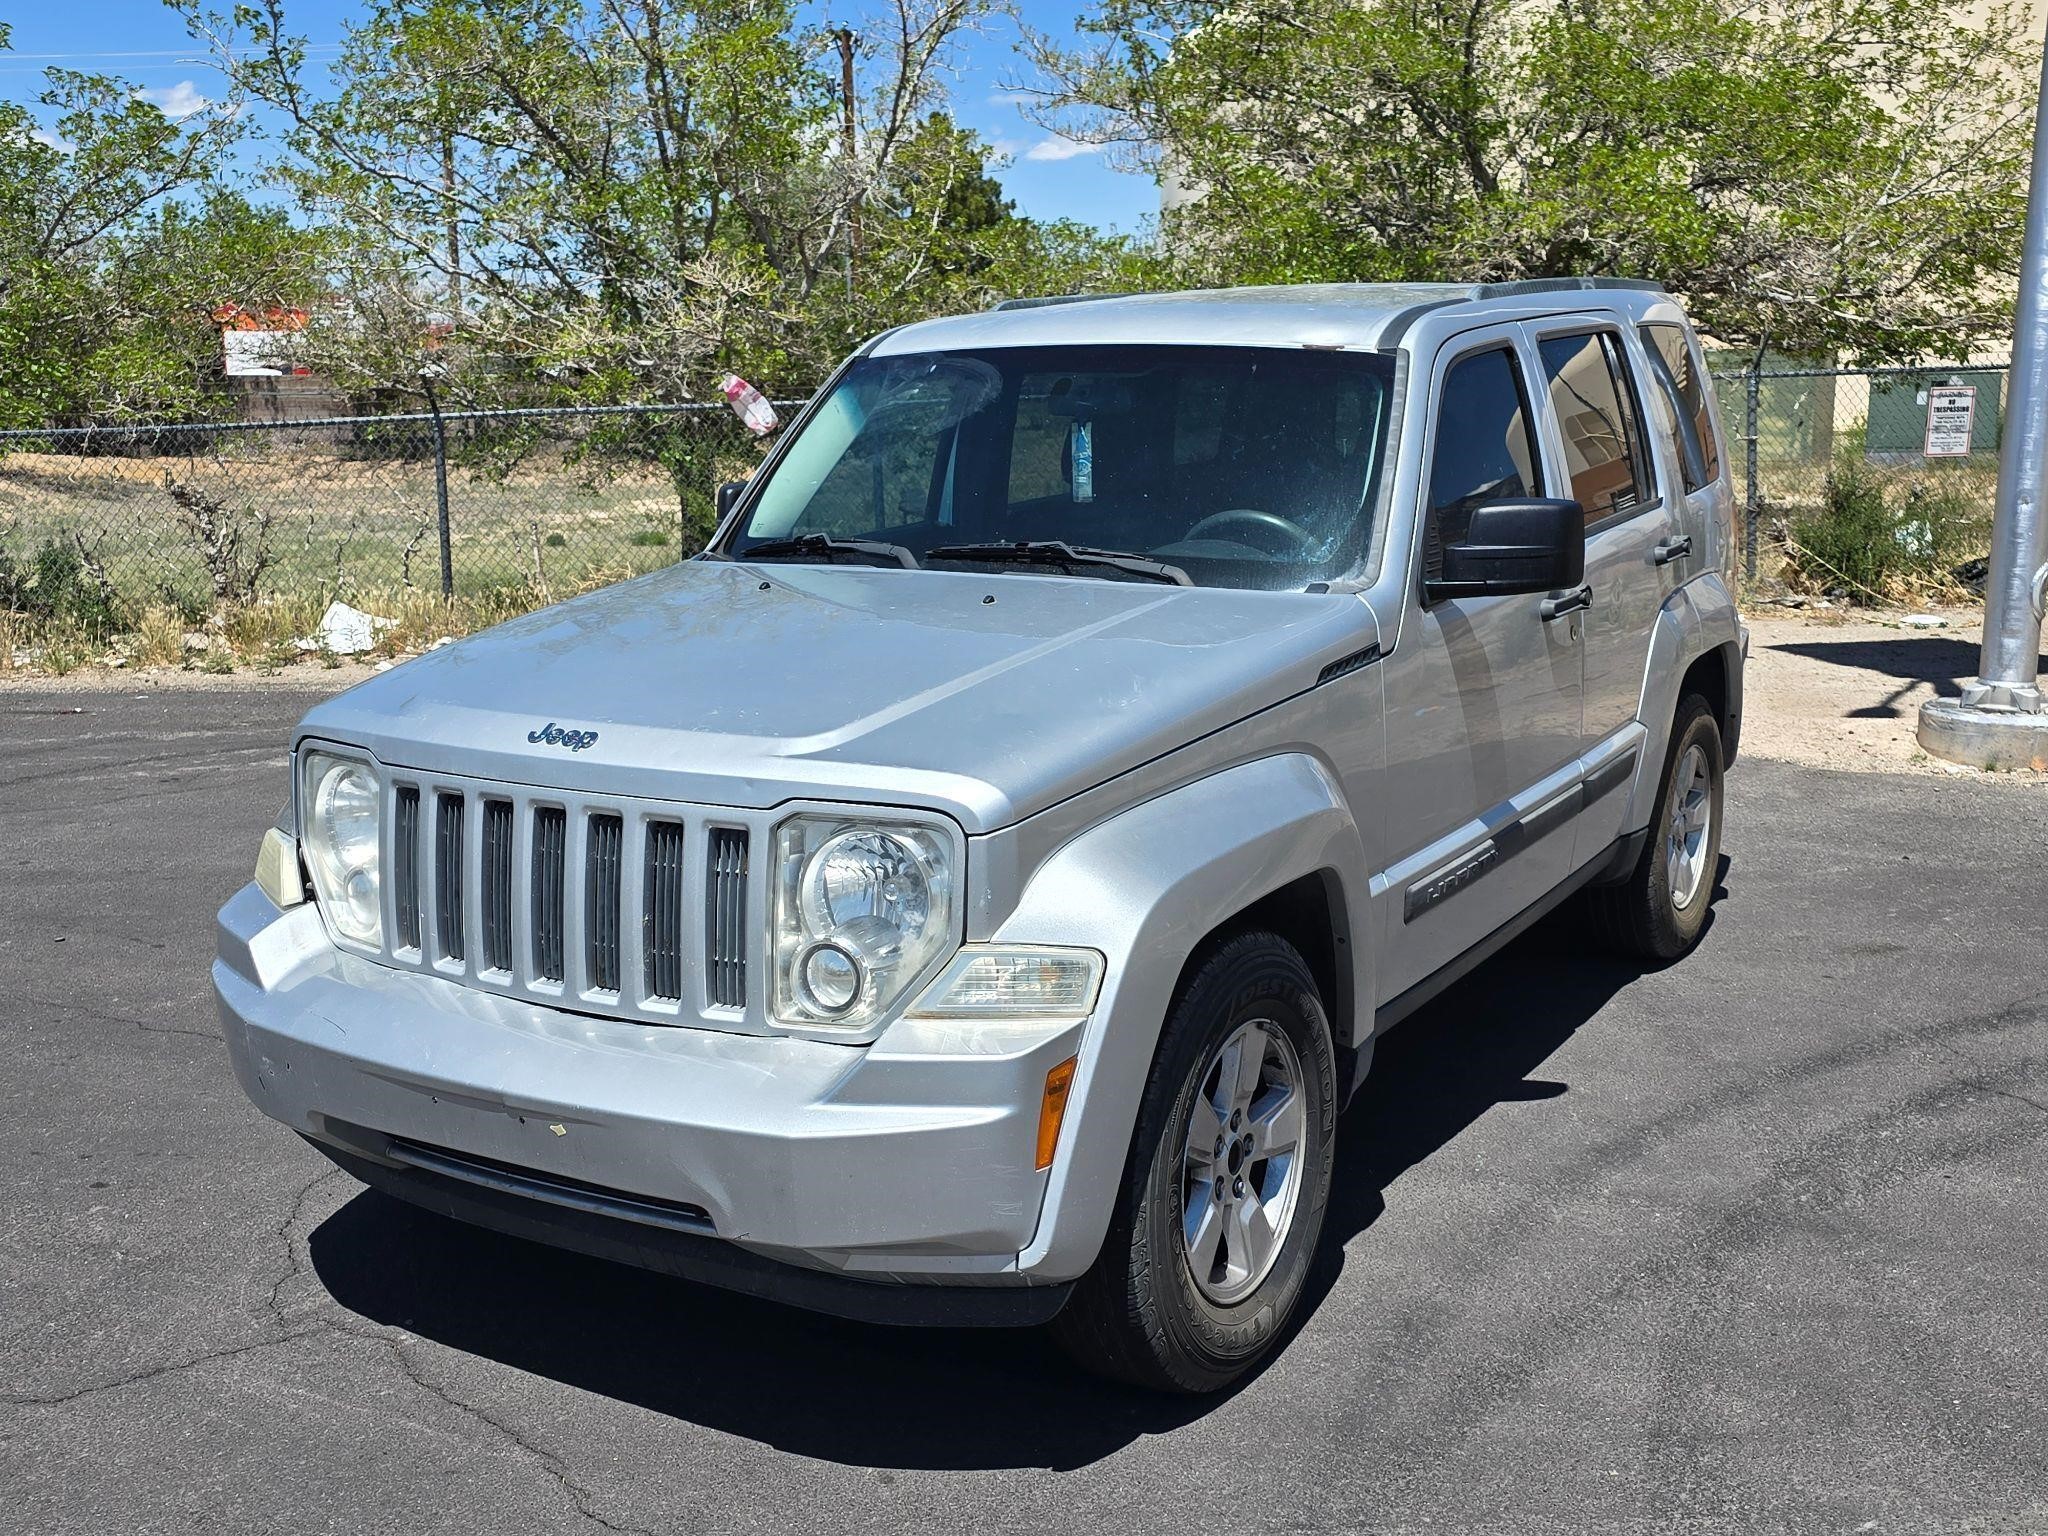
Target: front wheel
[1226, 1184]
[1658, 912]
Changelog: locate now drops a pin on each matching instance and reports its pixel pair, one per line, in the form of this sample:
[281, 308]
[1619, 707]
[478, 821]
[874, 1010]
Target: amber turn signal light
[1053, 1110]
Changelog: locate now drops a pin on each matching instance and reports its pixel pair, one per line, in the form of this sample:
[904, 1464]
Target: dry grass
[159, 638]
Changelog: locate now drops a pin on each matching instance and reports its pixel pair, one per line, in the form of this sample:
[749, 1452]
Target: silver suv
[968, 891]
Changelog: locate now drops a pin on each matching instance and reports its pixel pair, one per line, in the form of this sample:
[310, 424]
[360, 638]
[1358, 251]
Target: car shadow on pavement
[942, 1399]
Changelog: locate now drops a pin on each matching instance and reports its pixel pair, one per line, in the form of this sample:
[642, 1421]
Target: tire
[1141, 1315]
[1659, 910]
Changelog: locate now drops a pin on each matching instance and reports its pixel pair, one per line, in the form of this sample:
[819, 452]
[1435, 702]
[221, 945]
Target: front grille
[662, 917]
[449, 849]
[550, 850]
[497, 885]
[607, 838]
[725, 918]
[636, 909]
[405, 865]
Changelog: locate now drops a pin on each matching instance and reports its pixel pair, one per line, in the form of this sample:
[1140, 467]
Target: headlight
[861, 908]
[340, 802]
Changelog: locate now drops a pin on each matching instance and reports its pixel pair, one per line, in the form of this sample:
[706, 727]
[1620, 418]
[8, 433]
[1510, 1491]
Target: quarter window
[1603, 441]
[1677, 370]
[1484, 449]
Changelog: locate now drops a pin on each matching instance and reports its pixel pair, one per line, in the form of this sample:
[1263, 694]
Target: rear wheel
[1658, 912]
[1228, 1176]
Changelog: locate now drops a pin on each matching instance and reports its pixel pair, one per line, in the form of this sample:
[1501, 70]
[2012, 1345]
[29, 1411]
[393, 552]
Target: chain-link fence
[1847, 471]
[458, 503]
[1854, 474]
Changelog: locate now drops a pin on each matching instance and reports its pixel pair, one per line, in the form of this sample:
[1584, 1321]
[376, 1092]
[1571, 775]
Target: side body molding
[1148, 886]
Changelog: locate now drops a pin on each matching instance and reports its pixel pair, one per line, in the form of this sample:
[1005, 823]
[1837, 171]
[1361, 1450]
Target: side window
[1484, 450]
[1603, 442]
[1677, 369]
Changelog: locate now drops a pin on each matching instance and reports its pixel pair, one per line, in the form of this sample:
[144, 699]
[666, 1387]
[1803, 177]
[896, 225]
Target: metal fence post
[441, 496]
[1999, 721]
[1752, 502]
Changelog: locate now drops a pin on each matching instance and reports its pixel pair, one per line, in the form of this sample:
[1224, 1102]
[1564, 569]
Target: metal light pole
[1999, 721]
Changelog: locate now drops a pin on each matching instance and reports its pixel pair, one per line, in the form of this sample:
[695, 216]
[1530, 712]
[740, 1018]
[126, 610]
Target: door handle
[1675, 548]
[1558, 604]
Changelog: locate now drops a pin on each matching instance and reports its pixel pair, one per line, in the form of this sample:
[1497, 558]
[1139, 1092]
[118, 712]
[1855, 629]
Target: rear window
[1677, 368]
[1603, 440]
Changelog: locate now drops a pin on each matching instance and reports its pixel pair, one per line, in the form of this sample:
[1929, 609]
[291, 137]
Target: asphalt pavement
[1758, 1242]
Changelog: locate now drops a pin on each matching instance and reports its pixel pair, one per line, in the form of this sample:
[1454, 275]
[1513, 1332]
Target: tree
[619, 199]
[117, 240]
[1813, 175]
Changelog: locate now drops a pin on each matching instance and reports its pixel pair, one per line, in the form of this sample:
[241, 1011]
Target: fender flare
[1697, 618]
[1146, 887]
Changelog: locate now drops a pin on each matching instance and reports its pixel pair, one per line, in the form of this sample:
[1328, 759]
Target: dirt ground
[1829, 688]
[1843, 688]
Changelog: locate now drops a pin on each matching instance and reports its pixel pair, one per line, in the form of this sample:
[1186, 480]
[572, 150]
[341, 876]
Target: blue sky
[144, 41]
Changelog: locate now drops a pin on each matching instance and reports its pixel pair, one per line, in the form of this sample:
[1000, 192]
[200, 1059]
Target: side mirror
[728, 497]
[1530, 544]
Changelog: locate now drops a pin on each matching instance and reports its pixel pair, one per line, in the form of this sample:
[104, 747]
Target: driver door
[1483, 694]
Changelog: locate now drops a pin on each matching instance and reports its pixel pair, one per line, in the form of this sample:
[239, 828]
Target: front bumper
[770, 1164]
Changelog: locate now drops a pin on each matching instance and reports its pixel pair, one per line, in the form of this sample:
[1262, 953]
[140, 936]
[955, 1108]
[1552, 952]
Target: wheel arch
[1696, 645]
[1267, 843]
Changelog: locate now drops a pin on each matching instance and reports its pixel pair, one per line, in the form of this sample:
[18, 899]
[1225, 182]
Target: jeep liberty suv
[968, 891]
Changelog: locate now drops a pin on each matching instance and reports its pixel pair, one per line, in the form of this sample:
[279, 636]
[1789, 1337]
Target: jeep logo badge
[552, 735]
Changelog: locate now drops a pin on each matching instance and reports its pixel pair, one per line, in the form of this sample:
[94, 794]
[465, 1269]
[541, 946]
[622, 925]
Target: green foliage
[592, 202]
[117, 240]
[1849, 174]
[1877, 537]
[57, 584]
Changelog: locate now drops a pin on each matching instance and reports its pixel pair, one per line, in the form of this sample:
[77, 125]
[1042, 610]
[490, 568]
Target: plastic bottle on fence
[750, 405]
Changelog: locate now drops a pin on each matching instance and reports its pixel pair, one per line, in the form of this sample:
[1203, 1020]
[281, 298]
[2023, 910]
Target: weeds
[1878, 538]
[159, 638]
[62, 583]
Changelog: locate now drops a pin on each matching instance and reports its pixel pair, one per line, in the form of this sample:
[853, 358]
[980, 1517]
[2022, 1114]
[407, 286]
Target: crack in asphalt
[154, 1372]
[145, 1025]
[580, 1496]
[284, 1233]
[297, 1265]
[1980, 1083]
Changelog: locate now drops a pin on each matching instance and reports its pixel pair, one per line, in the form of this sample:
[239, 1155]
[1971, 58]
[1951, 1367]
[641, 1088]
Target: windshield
[1240, 466]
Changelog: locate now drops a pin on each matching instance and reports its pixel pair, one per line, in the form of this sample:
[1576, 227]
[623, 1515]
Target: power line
[150, 53]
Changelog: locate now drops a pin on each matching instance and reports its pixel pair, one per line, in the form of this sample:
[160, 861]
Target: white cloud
[176, 101]
[56, 141]
[1060, 149]
[1010, 98]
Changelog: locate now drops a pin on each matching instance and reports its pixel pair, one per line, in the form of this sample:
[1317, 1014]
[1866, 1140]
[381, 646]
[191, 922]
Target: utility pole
[2000, 722]
[845, 39]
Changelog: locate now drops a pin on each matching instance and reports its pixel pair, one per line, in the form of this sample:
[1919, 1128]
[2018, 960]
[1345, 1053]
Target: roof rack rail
[1564, 285]
[1042, 300]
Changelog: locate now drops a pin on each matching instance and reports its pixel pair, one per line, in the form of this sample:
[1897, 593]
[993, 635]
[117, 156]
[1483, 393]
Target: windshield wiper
[825, 545]
[1064, 555]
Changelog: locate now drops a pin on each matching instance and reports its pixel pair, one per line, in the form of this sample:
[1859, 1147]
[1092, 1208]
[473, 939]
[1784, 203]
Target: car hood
[986, 696]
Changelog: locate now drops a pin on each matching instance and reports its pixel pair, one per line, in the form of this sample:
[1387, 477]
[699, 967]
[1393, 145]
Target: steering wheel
[1271, 520]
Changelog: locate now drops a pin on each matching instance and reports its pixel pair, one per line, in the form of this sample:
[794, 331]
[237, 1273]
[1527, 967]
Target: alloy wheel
[1241, 1163]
